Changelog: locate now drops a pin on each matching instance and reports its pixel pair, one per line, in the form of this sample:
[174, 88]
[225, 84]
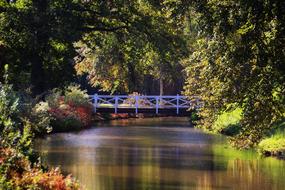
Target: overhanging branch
[104, 29]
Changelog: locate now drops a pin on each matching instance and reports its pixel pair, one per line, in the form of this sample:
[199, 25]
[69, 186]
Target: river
[157, 153]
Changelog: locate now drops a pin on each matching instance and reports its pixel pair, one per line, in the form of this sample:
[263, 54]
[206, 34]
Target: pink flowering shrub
[71, 109]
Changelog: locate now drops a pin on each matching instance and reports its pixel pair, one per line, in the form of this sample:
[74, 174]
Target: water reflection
[157, 154]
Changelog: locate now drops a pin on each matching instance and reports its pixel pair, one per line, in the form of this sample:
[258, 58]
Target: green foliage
[13, 134]
[34, 113]
[9, 123]
[19, 165]
[274, 143]
[53, 97]
[238, 60]
[148, 49]
[121, 43]
[38, 41]
[228, 122]
[272, 147]
[40, 118]
[278, 129]
[73, 94]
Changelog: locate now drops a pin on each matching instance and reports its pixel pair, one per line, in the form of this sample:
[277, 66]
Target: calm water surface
[161, 153]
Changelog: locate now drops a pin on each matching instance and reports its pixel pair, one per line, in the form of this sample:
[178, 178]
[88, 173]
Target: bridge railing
[140, 102]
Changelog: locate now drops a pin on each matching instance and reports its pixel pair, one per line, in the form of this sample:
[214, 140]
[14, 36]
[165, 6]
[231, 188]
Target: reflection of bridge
[140, 104]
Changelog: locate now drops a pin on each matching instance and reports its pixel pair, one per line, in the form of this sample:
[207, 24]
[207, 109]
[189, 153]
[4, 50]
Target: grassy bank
[273, 143]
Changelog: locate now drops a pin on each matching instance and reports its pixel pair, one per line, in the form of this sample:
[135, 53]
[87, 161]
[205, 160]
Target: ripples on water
[160, 153]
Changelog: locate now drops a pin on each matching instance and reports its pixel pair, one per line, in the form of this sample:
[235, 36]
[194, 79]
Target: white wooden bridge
[140, 103]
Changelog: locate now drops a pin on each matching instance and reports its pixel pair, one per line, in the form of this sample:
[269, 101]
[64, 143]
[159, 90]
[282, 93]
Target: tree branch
[104, 29]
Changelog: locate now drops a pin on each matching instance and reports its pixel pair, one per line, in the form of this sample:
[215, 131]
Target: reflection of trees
[251, 174]
[244, 170]
[138, 168]
[149, 159]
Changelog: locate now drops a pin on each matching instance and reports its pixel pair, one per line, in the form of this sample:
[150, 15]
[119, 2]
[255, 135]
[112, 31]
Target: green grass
[274, 145]
[228, 122]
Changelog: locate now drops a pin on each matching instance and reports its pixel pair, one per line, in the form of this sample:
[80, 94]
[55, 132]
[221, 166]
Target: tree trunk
[161, 89]
[40, 44]
[133, 86]
[37, 75]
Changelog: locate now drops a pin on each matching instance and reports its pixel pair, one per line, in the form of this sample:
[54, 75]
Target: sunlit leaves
[150, 47]
[239, 63]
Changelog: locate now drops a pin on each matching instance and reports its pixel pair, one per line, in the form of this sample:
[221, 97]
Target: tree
[148, 49]
[39, 36]
[239, 62]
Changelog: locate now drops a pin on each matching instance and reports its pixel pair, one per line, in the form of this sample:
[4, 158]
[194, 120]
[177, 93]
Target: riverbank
[273, 144]
[105, 117]
[112, 116]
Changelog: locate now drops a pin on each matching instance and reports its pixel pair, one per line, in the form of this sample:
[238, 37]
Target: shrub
[11, 130]
[41, 118]
[71, 108]
[9, 107]
[17, 172]
[19, 166]
[52, 180]
[54, 98]
[272, 147]
[74, 96]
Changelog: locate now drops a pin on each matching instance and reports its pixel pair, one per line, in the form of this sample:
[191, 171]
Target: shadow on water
[157, 153]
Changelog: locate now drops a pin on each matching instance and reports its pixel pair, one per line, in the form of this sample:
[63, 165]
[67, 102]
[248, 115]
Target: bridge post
[156, 104]
[137, 103]
[177, 104]
[116, 104]
[95, 97]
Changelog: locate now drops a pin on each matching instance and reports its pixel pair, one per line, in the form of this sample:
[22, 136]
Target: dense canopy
[230, 54]
[238, 61]
[39, 38]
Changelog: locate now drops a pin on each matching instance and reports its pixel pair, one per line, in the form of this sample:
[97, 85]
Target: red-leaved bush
[71, 109]
[23, 175]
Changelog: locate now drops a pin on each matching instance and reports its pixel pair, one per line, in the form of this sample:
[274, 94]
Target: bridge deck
[140, 104]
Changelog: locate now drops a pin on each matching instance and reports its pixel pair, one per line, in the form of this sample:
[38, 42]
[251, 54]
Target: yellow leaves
[219, 61]
[83, 67]
[220, 2]
[23, 4]
[270, 34]
[3, 3]
[2, 43]
[256, 105]
[58, 46]
[115, 70]
[145, 8]
[246, 28]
